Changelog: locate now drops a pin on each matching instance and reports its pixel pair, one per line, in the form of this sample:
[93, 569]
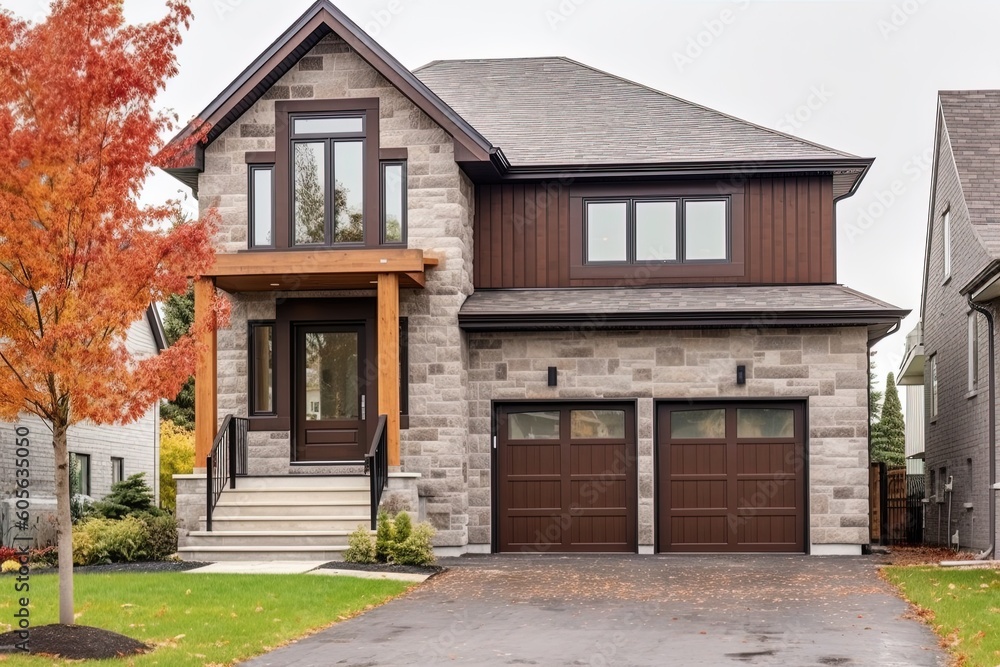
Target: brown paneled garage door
[566, 477]
[731, 477]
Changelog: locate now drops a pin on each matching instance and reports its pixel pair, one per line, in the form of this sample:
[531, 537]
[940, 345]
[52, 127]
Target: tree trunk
[64, 524]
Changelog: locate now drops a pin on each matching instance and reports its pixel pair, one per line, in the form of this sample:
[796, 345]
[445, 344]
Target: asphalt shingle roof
[972, 118]
[776, 300]
[556, 111]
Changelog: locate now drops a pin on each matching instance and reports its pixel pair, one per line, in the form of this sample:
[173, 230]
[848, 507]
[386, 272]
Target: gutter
[992, 422]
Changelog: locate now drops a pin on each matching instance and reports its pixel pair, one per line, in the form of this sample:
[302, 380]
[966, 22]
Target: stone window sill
[972, 394]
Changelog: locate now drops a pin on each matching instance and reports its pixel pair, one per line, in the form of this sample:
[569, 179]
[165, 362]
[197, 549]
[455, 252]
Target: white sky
[870, 70]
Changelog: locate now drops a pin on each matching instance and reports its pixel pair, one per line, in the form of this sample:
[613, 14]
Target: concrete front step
[288, 522]
[260, 553]
[304, 481]
[263, 538]
[284, 494]
[287, 509]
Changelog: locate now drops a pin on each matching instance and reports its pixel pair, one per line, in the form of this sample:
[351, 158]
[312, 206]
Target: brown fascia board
[675, 320]
[319, 20]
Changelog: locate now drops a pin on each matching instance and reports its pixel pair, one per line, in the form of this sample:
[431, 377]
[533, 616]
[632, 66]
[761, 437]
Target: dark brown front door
[330, 393]
[566, 478]
[731, 477]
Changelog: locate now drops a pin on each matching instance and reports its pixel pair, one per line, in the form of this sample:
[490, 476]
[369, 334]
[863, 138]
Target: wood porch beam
[388, 360]
[205, 374]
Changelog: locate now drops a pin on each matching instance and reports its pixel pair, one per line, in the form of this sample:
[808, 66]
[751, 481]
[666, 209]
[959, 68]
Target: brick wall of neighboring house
[825, 365]
[137, 442]
[956, 438]
[439, 221]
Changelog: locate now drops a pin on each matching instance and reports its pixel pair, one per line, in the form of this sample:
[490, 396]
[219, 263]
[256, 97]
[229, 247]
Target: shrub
[10, 566]
[128, 497]
[416, 549]
[176, 458]
[162, 535]
[396, 540]
[107, 541]
[44, 557]
[360, 546]
[8, 553]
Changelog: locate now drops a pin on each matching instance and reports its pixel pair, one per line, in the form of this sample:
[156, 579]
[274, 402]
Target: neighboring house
[104, 454]
[595, 316]
[911, 378]
[961, 270]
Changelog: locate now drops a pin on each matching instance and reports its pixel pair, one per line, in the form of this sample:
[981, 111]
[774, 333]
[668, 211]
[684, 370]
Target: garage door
[566, 478]
[731, 477]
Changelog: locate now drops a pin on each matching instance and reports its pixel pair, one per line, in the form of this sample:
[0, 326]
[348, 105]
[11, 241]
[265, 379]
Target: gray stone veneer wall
[826, 365]
[440, 210]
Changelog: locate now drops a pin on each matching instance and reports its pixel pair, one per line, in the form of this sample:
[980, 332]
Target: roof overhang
[911, 372]
[282, 271]
[985, 286]
[321, 19]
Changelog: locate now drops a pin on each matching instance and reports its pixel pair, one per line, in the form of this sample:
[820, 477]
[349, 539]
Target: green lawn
[963, 607]
[200, 619]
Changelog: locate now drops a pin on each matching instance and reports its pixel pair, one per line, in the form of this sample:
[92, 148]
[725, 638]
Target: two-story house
[954, 359]
[582, 314]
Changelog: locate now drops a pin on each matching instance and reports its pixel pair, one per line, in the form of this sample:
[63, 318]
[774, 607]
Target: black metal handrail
[377, 467]
[227, 461]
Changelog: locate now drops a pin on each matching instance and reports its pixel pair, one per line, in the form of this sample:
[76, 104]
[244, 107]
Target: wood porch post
[205, 389]
[388, 360]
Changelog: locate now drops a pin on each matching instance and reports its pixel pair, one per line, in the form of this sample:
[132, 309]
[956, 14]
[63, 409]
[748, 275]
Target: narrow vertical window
[973, 351]
[262, 368]
[79, 465]
[393, 202]
[262, 206]
[117, 469]
[946, 233]
[933, 407]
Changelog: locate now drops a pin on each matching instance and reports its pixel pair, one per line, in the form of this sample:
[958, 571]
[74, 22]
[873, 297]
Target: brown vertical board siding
[496, 236]
[556, 203]
[753, 230]
[541, 235]
[517, 224]
[779, 239]
[792, 231]
[829, 230]
[480, 230]
[564, 238]
[507, 208]
[818, 243]
[767, 231]
[805, 231]
[530, 242]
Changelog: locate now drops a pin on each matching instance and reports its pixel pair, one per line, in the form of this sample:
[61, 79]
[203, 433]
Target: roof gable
[321, 19]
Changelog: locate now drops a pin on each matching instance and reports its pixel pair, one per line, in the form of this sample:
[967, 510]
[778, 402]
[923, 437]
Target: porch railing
[377, 467]
[227, 461]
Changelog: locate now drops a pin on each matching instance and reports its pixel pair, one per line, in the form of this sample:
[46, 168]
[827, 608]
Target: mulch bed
[74, 642]
[917, 555]
[142, 566]
[384, 567]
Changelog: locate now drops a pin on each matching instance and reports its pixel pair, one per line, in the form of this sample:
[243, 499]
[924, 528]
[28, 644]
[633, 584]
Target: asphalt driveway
[633, 610]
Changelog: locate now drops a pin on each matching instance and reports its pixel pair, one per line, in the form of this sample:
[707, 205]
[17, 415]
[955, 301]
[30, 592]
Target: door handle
[363, 407]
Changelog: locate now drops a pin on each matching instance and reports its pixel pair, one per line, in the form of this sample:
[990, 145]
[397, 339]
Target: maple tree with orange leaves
[81, 258]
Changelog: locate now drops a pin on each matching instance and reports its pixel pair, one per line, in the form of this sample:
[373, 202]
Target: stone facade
[439, 221]
[956, 438]
[825, 366]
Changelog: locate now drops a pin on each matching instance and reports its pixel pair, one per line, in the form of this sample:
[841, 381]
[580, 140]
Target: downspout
[993, 428]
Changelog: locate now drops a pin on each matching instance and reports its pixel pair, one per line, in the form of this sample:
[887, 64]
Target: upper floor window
[933, 379]
[946, 234]
[647, 230]
[327, 163]
[394, 201]
[261, 205]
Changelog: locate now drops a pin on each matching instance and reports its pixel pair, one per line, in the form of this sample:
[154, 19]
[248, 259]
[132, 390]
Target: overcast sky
[859, 76]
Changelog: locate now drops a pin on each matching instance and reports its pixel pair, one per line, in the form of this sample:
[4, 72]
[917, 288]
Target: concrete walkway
[633, 610]
[300, 567]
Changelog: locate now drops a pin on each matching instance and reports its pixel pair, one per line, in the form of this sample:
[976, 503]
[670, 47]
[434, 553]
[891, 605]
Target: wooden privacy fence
[896, 505]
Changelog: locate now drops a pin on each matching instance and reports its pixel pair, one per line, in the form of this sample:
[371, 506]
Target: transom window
[677, 230]
[327, 164]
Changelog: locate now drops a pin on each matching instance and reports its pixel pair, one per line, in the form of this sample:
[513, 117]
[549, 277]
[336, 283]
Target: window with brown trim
[261, 205]
[327, 173]
[261, 367]
[656, 230]
[393, 202]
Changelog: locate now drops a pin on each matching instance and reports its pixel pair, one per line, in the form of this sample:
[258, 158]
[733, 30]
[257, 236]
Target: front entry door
[330, 393]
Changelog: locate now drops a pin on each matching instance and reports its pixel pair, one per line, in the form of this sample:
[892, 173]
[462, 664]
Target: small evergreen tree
[889, 436]
[178, 316]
